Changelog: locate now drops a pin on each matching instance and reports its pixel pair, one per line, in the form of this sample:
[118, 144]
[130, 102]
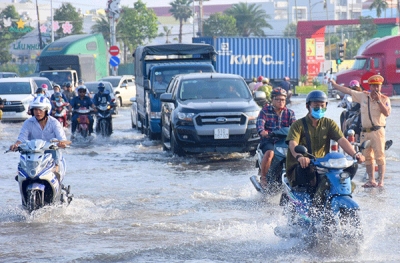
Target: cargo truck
[162, 62]
[250, 57]
[378, 56]
[72, 58]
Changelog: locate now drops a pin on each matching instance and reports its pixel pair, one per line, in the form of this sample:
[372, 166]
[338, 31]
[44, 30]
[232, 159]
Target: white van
[16, 94]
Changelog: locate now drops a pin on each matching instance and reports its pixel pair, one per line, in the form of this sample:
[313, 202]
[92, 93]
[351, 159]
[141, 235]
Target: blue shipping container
[251, 57]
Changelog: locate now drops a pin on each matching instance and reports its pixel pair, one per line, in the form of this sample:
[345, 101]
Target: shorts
[304, 176]
[267, 145]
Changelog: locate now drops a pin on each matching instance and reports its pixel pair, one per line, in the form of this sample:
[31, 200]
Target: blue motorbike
[338, 219]
[278, 163]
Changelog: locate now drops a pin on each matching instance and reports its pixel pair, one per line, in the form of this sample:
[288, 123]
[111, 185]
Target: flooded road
[135, 203]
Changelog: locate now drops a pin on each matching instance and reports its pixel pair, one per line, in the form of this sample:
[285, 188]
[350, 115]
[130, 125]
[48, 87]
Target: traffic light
[338, 61]
[341, 52]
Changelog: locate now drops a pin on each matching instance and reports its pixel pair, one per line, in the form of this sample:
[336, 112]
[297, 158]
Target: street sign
[114, 61]
[114, 50]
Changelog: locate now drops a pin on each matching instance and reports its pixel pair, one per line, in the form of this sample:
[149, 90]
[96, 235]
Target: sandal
[369, 185]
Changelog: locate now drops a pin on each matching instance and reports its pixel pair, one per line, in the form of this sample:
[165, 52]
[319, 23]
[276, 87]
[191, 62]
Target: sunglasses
[279, 100]
[82, 91]
[318, 108]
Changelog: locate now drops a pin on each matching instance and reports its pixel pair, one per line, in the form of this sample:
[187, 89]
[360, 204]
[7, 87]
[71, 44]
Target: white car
[16, 94]
[124, 88]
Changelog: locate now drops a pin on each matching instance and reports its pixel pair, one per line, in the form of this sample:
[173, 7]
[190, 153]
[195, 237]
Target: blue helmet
[101, 87]
[316, 95]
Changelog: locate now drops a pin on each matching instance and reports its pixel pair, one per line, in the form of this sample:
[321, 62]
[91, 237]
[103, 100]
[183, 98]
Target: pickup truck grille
[13, 106]
[220, 118]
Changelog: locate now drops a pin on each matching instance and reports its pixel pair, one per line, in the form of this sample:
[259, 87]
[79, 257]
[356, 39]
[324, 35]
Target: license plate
[9, 113]
[221, 133]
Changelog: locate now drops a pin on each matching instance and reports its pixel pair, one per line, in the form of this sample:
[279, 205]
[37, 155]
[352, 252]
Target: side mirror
[166, 97]
[133, 99]
[300, 149]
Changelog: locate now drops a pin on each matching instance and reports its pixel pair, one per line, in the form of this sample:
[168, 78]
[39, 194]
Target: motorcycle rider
[44, 127]
[286, 85]
[272, 117]
[319, 131]
[267, 88]
[351, 107]
[102, 97]
[46, 90]
[375, 108]
[57, 103]
[57, 89]
[68, 92]
[77, 102]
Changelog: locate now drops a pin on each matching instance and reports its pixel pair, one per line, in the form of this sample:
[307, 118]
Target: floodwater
[135, 203]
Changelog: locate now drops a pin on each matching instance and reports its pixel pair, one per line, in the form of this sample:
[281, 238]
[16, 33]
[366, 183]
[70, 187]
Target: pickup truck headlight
[252, 116]
[183, 116]
[155, 115]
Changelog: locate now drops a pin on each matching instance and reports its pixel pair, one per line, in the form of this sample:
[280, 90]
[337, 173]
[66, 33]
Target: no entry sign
[114, 50]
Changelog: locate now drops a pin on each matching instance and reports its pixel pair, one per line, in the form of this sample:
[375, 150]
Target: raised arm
[340, 88]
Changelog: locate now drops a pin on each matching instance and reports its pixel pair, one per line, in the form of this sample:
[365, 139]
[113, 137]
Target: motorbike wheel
[103, 128]
[34, 200]
[350, 225]
[274, 176]
[84, 133]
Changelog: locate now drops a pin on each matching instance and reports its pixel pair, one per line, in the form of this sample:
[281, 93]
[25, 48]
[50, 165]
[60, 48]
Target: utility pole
[51, 21]
[113, 11]
[38, 26]
[200, 32]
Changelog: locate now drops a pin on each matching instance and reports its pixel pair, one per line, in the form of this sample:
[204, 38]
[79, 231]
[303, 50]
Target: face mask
[40, 95]
[318, 113]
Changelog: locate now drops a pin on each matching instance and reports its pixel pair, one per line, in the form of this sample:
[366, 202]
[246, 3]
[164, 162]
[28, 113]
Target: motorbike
[339, 218]
[278, 163]
[83, 121]
[61, 113]
[103, 125]
[350, 118]
[39, 183]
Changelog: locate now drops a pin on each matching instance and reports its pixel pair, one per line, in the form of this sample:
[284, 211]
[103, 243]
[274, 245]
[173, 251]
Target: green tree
[136, 26]
[167, 33]
[290, 30]
[102, 26]
[219, 24]
[6, 37]
[367, 29]
[379, 5]
[251, 19]
[182, 11]
[65, 13]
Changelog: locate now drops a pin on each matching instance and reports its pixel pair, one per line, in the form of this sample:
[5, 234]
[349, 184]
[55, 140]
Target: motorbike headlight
[252, 116]
[282, 150]
[339, 163]
[183, 116]
[155, 115]
[344, 175]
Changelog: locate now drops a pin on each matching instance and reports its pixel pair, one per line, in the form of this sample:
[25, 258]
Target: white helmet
[40, 102]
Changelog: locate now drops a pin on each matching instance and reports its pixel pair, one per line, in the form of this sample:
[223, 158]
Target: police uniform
[373, 123]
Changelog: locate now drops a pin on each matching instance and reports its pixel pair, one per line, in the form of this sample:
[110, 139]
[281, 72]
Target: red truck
[376, 56]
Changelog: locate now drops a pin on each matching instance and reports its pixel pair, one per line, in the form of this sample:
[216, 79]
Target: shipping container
[274, 58]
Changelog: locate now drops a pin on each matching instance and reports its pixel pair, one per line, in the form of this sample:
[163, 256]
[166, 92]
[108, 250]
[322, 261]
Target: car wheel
[163, 141]
[132, 123]
[119, 102]
[115, 110]
[175, 147]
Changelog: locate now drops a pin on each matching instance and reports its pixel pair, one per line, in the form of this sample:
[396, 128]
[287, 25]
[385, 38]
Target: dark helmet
[68, 84]
[57, 94]
[278, 92]
[316, 95]
[39, 91]
[101, 87]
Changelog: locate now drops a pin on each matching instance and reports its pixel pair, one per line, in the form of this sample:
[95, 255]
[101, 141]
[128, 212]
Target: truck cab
[61, 76]
[155, 66]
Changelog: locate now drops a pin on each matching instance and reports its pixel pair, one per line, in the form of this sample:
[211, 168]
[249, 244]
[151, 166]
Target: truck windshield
[15, 88]
[161, 79]
[57, 77]
[213, 89]
[359, 63]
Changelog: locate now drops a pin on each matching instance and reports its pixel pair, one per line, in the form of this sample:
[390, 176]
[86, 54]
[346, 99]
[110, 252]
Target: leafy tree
[102, 26]
[136, 26]
[251, 19]
[367, 29]
[182, 11]
[67, 12]
[379, 5]
[166, 33]
[290, 30]
[219, 24]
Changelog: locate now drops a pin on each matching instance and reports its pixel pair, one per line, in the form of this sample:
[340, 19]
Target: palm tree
[250, 19]
[181, 10]
[380, 6]
[102, 25]
[166, 33]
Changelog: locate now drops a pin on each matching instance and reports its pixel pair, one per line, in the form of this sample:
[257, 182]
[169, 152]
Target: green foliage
[167, 33]
[315, 82]
[303, 79]
[136, 26]
[22, 70]
[181, 10]
[380, 6]
[251, 19]
[219, 24]
[102, 26]
[290, 30]
[304, 90]
[65, 13]
[367, 29]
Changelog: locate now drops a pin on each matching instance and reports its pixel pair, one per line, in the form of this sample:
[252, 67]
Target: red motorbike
[60, 112]
[83, 121]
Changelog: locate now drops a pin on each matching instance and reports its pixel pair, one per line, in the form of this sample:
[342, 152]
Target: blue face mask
[318, 113]
[40, 94]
